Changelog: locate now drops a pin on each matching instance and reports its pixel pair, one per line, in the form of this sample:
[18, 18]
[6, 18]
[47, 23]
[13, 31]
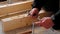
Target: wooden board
[27, 30]
[15, 7]
[17, 22]
[19, 30]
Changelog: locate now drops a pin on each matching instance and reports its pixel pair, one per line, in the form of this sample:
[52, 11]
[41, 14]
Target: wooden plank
[19, 30]
[17, 22]
[27, 30]
[11, 8]
[15, 14]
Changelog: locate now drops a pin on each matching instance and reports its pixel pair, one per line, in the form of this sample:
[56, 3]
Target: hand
[34, 12]
[45, 22]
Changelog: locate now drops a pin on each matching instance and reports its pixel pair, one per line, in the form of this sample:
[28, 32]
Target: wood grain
[17, 22]
[15, 7]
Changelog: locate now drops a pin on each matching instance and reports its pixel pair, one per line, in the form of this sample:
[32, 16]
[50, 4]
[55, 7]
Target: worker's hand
[45, 22]
[34, 12]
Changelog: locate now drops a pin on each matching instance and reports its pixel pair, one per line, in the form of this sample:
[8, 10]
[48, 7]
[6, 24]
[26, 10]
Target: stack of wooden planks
[15, 12]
